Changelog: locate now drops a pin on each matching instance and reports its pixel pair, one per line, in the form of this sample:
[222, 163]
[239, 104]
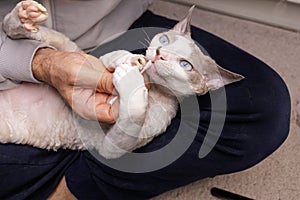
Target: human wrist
[41, 64]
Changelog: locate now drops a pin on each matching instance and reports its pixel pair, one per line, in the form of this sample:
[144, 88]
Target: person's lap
[31, 173]
[257, 122]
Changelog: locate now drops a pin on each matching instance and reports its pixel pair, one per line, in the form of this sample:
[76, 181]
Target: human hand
[82, 80]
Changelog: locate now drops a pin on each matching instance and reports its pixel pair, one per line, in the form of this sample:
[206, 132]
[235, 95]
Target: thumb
[105, 112]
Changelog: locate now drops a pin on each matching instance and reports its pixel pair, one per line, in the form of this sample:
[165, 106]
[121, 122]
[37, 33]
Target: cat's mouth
[154, 57]
[153, 68]
[150, 66]
[153, 72]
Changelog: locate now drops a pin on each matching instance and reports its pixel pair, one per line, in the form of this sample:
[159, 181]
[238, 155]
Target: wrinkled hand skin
[82, 80]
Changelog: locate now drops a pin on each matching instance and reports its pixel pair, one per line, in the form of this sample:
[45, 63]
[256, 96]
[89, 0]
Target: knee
[268, 139]
[272, 141]
[275, 124]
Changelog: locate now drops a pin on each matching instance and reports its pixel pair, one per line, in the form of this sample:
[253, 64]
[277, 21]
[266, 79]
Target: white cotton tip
[147, 66]
[113, 100]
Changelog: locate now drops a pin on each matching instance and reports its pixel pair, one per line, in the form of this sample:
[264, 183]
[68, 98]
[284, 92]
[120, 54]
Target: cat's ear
[184, 26]
[218, 77]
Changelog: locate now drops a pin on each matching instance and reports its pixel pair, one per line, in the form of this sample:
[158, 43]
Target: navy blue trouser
[257, 123]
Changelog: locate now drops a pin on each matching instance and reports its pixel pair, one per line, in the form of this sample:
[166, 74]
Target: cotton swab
[147, 66]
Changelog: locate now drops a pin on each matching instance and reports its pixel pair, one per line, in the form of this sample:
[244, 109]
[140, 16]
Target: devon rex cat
[35, 114]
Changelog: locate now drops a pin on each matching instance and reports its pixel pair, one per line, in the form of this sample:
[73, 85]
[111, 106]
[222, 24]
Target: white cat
[35, 114]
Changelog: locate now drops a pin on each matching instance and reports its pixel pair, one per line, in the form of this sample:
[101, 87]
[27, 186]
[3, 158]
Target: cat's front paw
[133, 94]
[139, 61]
[31, 13]
[126, 79]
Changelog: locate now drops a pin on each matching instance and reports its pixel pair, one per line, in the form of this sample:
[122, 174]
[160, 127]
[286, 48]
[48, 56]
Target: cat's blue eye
[186, 65]
[164, 40]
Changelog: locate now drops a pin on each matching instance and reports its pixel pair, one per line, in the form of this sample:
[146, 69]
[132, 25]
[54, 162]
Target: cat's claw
[139, 61]
[31, 13]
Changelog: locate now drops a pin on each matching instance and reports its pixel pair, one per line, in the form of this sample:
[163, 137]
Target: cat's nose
[158, 57]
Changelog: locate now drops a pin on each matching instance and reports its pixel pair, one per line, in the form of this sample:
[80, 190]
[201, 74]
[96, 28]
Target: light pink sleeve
[15, 60]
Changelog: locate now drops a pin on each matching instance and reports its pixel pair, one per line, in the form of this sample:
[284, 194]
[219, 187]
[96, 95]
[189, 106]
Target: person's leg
[257, 123]
[30, 173]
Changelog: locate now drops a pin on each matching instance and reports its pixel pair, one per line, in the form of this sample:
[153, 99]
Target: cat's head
[179, 64]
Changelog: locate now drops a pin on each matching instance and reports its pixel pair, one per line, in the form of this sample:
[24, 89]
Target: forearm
[42, 64]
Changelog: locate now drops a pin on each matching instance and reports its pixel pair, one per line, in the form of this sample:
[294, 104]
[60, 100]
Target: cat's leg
[132, 91]
[124, 135]
[23, 20]
[160, 112]
[57, 40]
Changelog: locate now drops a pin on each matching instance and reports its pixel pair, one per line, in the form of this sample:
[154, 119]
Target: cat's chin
[154, 75]
[152, 71]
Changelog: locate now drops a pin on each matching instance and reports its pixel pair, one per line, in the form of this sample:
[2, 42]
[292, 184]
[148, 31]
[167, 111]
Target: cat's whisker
[148, 38]
[148, 41]
[144, 45]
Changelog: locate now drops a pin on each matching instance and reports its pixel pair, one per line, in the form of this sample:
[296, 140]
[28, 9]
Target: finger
[93, 74]
[105, 114]
[105, 83]
[110, 69]
[89, 105]
[102, 98]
